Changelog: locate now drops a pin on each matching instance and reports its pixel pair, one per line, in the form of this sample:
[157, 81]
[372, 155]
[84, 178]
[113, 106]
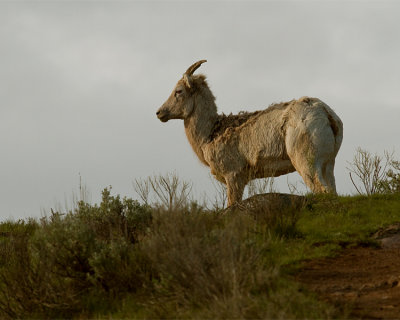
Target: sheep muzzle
[162, 115]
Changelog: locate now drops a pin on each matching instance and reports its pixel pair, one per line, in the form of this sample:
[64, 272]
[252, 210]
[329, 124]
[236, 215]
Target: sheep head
[180, 103]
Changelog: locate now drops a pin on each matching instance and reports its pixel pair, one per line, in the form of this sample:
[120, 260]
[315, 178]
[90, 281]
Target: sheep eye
[178, 91]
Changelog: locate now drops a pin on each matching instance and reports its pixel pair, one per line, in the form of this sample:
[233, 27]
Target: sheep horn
[194, 67]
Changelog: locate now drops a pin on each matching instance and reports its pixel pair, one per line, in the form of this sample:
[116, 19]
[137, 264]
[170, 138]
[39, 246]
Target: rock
[390, 242]
[387, 231]
[388, 237]
[268, 203]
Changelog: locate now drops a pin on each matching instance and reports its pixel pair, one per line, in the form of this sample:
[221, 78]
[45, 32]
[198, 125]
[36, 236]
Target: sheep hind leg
[320, 184]
[312, 176]
[329, 175]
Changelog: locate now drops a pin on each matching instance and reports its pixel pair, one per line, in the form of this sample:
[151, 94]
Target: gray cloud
[80, 83]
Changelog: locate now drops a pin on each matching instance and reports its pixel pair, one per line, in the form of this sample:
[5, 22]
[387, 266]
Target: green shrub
[15, 279]
[391, 184]
[64, 264]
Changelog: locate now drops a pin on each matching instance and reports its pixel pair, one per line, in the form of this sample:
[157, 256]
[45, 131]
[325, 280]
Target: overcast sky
[80, 82]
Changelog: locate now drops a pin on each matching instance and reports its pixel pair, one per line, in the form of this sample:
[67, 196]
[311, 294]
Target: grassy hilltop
[123, 259]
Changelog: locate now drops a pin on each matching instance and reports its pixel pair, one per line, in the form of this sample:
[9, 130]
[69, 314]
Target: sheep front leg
[235, 187]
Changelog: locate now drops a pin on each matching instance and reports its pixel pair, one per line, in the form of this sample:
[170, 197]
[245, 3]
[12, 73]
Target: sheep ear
[186, 80]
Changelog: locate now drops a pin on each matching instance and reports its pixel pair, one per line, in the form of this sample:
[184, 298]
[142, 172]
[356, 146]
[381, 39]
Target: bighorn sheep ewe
[303, 135]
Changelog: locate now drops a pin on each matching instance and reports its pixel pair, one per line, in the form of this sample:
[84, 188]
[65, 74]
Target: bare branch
[142, 188]
[370, 170]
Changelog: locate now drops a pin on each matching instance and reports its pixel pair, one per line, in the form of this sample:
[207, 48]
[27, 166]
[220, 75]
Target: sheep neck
[200, 124]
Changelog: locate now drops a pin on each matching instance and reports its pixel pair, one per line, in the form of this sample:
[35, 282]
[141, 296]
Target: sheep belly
[270, 168]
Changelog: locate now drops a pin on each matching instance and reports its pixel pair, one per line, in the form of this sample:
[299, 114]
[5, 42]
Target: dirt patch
[364, 280]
